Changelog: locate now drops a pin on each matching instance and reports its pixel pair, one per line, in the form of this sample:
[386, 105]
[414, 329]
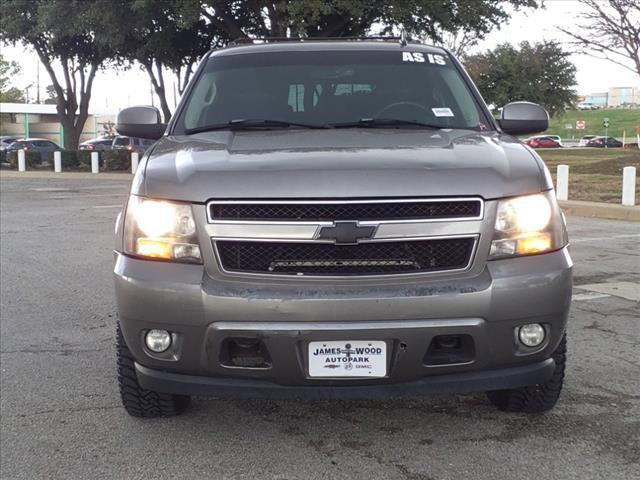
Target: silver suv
[327, 219]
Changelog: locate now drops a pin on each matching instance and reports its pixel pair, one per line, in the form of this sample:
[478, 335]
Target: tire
[138, 401]
[537, 398]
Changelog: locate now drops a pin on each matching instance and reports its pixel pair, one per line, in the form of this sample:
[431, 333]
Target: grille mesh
[373, 258]
[346, 211]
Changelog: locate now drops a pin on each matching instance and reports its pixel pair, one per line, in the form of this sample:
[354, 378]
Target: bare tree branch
[610, 30]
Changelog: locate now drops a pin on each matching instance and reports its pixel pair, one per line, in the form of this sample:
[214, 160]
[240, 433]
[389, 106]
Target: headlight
[158, 229]
[527, 225]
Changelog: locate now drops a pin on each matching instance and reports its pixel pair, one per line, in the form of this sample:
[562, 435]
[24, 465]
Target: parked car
[42, 145]
[311, 226]
[97, 144]
[542, 142]
[600, 142]
[585, 139]
[556, 138]
[6, 140]
[133, 144]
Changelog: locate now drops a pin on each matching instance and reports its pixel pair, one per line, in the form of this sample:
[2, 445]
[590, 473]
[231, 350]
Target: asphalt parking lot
[61, 415]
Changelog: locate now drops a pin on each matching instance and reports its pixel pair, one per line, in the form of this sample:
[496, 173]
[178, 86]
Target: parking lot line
[64, 197]
[626, 290]
[588, 296]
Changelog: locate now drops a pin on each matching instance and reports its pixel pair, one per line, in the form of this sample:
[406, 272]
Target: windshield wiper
[385, 122]
[248, 123]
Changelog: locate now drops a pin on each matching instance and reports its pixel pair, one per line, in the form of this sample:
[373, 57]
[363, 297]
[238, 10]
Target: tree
[7, 92]
[68, 36]
[174, 34]
[166, 36]
[51, 95]
[541, 73]
[340, 18]
[610, 30]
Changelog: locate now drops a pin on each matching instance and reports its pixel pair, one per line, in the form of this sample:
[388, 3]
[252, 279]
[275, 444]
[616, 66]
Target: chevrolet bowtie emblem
[346, 233]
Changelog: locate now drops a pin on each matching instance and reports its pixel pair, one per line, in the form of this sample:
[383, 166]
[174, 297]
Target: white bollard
[134, 162]
[22, 161]
[95, 162]
[57, 162]
[629, 186]
[562, 182]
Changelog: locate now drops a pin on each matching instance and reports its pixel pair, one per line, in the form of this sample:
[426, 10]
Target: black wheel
[138, 401]
[536, 398]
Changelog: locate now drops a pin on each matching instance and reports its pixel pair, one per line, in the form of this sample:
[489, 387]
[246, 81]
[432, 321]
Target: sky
[116, 89]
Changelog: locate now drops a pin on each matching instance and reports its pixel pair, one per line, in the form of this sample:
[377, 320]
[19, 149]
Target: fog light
[158, 341]
[531, 335]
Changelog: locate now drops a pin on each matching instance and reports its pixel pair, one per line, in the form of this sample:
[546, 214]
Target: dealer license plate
[358, 358]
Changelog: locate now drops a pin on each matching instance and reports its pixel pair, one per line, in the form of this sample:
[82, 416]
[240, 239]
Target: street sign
[580, 124]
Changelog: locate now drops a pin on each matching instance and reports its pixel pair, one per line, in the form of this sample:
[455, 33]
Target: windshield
[331, 88]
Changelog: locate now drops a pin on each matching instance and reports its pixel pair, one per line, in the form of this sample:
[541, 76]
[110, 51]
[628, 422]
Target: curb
[601, 210]
[125, 176]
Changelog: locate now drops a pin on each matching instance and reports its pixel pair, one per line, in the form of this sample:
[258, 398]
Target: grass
[594, 174]
[620, 120]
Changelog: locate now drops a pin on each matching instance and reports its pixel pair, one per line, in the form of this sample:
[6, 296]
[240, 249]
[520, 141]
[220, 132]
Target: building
[42, 121]
[624, 97]
[596, 100]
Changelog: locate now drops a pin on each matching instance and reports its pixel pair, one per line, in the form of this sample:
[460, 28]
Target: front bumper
[286, 316]
[498, 379]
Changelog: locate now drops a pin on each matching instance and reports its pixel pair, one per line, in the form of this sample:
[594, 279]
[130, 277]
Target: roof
[40, 109]
[310, 44]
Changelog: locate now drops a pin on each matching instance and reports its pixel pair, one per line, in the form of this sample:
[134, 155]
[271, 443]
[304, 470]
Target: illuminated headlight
[159, 229]
[528, 225]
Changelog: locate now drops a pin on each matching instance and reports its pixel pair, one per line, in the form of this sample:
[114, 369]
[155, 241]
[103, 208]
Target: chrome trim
[259, 231]
[480, 216]
[273, 327]
[472, 257]
[309, 231]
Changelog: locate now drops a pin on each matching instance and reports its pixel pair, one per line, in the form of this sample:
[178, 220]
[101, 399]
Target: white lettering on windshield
[418, 57]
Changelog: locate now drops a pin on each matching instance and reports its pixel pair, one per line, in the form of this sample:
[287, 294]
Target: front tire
[138, 401]
[537, 398]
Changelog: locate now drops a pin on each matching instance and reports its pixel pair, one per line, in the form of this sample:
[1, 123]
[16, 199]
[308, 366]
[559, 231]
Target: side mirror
[518, 118]
[141, 122]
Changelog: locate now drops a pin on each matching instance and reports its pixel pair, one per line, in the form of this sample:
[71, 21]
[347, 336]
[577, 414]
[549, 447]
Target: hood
[341, 163]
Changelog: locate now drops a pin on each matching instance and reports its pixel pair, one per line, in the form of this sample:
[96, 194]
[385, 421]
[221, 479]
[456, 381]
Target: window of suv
[121, 141]
[332, 87]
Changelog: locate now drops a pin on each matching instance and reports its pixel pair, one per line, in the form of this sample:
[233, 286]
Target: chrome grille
[339, 237]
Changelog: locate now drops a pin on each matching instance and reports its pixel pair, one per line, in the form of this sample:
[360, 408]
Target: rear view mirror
[518, 118]
[141, 122]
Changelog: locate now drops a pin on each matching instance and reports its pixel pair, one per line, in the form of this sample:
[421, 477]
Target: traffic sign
[580, 124]
[605, 122]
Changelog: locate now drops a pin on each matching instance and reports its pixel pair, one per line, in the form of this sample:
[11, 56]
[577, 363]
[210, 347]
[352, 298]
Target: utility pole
[38, 81]
[175, 97]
